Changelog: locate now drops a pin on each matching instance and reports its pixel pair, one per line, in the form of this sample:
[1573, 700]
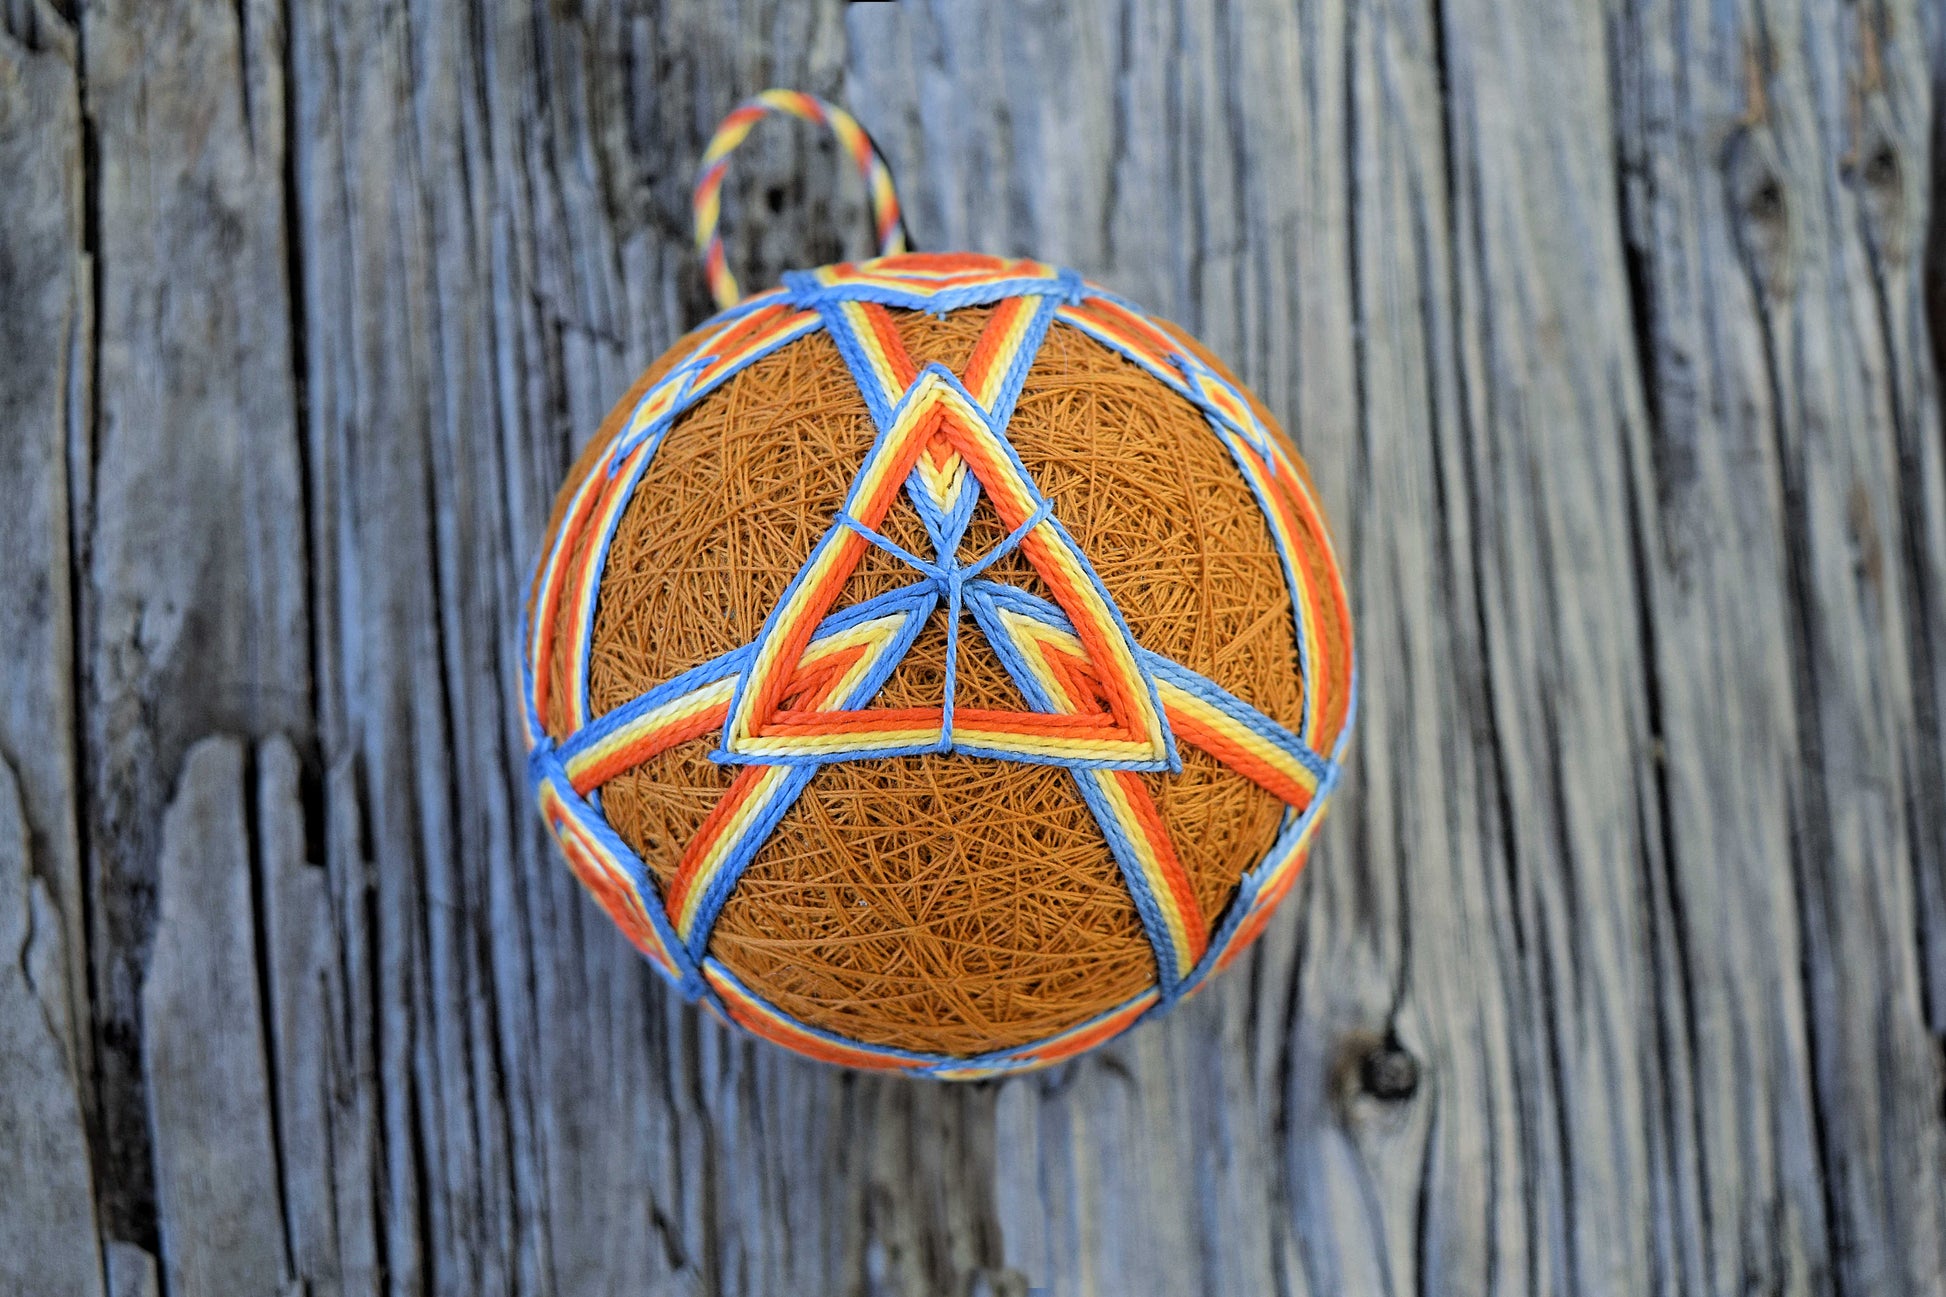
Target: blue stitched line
[992, 594]
[840, 620]
[1196, 373]
[1042, 512]
[689, 398]
[975, 749]
[530, 714]
[806, 292]
[605, 725]
[1176, 381]
[680, 377]
[878, 398]
[769, 629]
[953, 525]
[986, 613]
[755, 833]
[546, 768]
[758, 831]
[755, 302]
[1351, 715]
[930, 517]
[916, 600]
[584, 645]
[1237, 709]
[1157, 927]
[1081, 561]
[920, 600]
[1128, 636]
[1088, 290]
[1002, 412]
[946, 528]
[865, 752]
[1304, 664]
[955, 585]
[1167, 376]
[891, 547]
[987, 599]
[1288, 837]
[998, 1060]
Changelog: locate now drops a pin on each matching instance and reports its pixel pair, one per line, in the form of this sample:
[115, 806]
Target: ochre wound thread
[942, 903]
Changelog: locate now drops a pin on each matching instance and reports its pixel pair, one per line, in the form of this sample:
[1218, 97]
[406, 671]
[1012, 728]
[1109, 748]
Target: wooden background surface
[1622, 966]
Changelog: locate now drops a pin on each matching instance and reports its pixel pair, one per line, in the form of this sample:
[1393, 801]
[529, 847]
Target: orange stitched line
[692, 857]
[1196, 929]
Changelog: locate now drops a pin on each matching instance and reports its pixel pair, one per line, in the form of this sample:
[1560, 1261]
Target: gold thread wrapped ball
[824, 514]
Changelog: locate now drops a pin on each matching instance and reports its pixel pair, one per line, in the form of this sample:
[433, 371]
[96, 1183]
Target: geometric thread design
[799, 695]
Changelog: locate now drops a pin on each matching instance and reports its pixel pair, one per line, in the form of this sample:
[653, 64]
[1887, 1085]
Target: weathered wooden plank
[44, 397]
[307, 1019]
[1769, 485]
[131, 1272]
[47, 1232]
[1918, 326]
[204, 1056]
[1533, 457]
[194, 596]
[1623, 964]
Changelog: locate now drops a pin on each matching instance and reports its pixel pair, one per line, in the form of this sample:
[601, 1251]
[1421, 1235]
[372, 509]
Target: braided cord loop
[707, 202]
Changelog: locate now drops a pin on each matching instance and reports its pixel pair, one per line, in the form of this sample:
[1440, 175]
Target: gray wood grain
[1612, 333]
[45, 401]
[203, 1049]
[47, 1234]
[131, 1271]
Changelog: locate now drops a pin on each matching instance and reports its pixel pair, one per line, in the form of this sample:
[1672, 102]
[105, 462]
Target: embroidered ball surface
[937, 664]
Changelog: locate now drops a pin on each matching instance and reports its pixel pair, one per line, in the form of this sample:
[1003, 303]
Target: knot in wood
[1389, 1073]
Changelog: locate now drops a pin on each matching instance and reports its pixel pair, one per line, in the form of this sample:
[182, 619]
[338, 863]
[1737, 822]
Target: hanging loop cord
[708, 200]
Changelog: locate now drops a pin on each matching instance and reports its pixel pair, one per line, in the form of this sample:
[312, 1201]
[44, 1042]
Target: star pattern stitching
[799, 695]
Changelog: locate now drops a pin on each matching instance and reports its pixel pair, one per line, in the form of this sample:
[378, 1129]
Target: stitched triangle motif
[802, 693]
[942, 442]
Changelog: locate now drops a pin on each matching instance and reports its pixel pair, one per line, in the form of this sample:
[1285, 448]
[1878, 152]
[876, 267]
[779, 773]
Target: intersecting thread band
[944, 903]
